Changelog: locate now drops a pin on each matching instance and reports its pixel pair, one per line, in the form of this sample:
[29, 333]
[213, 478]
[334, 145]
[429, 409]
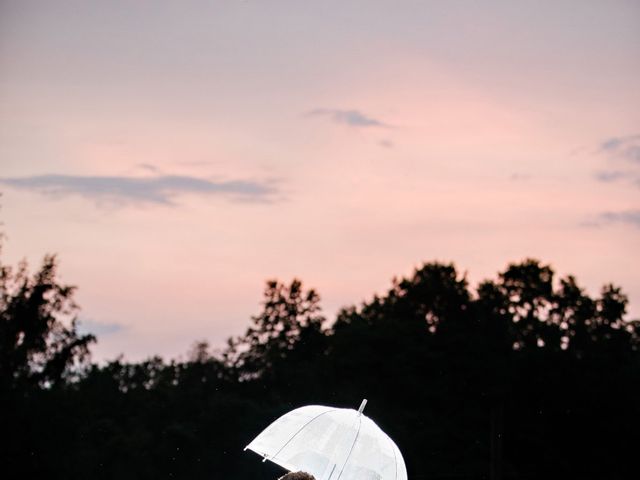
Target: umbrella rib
[299, 430]
[351, 449]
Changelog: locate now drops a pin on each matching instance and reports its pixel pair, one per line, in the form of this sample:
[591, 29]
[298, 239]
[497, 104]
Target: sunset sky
[175, 155]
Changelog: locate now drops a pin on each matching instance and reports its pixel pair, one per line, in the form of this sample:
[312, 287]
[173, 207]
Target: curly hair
[297, 476]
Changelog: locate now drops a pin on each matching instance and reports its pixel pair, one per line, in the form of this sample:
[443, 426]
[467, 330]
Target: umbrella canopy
[331, 444]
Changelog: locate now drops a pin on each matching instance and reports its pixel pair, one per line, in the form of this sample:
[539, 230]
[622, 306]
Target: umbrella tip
[362, 405]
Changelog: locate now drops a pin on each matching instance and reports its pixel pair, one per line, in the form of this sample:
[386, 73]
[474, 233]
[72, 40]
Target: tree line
[524, 376]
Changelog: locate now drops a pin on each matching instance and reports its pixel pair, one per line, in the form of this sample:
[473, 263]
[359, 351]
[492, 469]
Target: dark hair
[297, 476]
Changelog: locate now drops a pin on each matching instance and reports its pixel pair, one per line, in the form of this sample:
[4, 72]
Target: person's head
[297, 476]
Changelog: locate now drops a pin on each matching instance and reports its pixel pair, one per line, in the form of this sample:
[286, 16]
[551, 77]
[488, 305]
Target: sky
[176, 155]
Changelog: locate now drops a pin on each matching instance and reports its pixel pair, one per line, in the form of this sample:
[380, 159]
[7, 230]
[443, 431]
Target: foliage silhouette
[39, 342]
[524, 377]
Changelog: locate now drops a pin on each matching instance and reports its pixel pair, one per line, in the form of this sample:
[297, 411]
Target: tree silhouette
[290, 318]
[525, 376]
[39, 341]
[41, 355]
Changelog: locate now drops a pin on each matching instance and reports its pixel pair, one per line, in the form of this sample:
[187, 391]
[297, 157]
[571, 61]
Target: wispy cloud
[520, 177]
[621, 150]
[353, 118]
[148, 167]
[161, 189]
[629, 217]
[627, 147]
[608, 176]
[99, 328]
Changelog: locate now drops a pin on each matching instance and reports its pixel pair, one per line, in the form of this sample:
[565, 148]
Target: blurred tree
[40, 345]
[463, 371]
[41, 353]
[526, 377]
[290, 322]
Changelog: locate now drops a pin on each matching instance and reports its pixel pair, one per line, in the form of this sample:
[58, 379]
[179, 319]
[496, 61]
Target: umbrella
[331, 444]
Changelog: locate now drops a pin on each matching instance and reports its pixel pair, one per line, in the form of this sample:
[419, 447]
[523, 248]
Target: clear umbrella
[331, 444]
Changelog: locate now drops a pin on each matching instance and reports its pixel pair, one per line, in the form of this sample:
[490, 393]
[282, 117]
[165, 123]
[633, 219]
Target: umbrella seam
[351, 450]
[299, 430]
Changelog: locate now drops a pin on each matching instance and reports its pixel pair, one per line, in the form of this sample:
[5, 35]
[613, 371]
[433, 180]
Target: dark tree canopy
[525, 376]
[39, 342]
[290, 320]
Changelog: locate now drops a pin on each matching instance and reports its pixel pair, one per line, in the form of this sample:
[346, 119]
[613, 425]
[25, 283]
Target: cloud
[353, 118]
[520, 177]
[629, 217]
[386, 144]
[627, 148]
[161, 189]
[612, 175]
[148, 167]
[99, 328]
[621, 149]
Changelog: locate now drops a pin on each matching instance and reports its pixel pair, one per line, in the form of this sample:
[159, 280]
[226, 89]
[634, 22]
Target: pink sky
[177, 155]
